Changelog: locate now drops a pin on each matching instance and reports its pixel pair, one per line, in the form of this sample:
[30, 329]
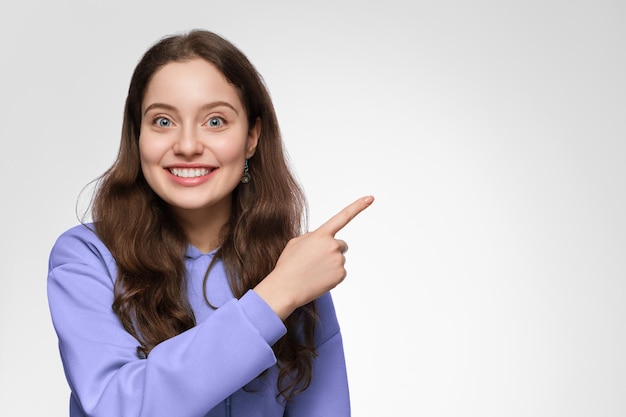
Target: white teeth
[189, 172]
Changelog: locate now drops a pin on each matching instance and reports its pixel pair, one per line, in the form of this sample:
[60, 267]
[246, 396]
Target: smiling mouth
[190, 172]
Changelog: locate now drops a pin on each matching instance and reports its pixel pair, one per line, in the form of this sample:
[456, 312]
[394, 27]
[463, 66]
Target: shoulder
[327, 324]
[79, 244]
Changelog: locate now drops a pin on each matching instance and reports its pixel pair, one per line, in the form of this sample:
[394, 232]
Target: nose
[187, 142]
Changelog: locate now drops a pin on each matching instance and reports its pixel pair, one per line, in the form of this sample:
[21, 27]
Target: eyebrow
[207, 106]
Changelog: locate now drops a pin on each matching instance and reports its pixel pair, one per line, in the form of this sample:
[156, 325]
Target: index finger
[345, 216]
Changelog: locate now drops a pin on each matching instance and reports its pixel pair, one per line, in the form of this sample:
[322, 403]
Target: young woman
[194, 291]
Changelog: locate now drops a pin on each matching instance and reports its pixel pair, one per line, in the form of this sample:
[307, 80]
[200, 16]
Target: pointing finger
[341, 219]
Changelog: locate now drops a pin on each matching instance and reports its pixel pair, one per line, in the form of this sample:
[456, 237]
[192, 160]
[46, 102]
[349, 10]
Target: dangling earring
[246, 174]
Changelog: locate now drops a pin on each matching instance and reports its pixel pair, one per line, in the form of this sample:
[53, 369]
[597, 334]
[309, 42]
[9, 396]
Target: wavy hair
[148, 243]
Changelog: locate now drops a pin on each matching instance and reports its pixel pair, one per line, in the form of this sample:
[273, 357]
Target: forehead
[188, 83]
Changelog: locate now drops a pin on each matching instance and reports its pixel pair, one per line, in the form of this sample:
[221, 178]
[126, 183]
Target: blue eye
[163, 122]
[215, 122]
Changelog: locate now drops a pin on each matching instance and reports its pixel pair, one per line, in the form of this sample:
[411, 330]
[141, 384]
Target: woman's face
[194, 136]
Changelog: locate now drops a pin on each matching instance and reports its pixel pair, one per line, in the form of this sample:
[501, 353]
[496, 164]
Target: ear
[253, 137]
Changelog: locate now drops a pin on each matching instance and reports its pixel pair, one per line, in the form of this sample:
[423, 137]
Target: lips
[190, 172]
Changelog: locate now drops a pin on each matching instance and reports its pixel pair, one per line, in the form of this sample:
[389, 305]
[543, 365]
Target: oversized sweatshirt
[209, 370]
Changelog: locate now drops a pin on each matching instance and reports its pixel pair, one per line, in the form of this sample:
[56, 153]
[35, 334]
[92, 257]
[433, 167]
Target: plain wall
[488, 278]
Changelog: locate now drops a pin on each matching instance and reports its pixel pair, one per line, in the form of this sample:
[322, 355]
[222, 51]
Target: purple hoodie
[210, 370]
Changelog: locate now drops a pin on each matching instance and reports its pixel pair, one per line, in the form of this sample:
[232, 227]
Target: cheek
[230, 155]
[232, 150]
[148, 152]
[149, 157]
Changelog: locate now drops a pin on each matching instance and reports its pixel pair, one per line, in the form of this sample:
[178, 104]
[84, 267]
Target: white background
[488, 278]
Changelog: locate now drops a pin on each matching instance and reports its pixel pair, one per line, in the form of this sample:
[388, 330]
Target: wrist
[276, 297]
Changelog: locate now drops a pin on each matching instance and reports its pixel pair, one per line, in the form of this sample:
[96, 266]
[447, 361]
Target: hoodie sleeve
[186, 375]
[328, 394]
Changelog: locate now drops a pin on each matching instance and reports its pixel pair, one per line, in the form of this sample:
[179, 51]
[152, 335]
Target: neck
[203, 227]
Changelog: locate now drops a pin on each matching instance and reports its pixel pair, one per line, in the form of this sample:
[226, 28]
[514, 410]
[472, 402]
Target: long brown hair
[148, 243]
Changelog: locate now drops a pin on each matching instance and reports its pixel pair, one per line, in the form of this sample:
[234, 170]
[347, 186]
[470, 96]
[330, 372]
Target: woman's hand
[310, 265]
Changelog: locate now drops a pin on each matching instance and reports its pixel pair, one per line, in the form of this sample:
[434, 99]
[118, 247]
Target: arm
[183, 376]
